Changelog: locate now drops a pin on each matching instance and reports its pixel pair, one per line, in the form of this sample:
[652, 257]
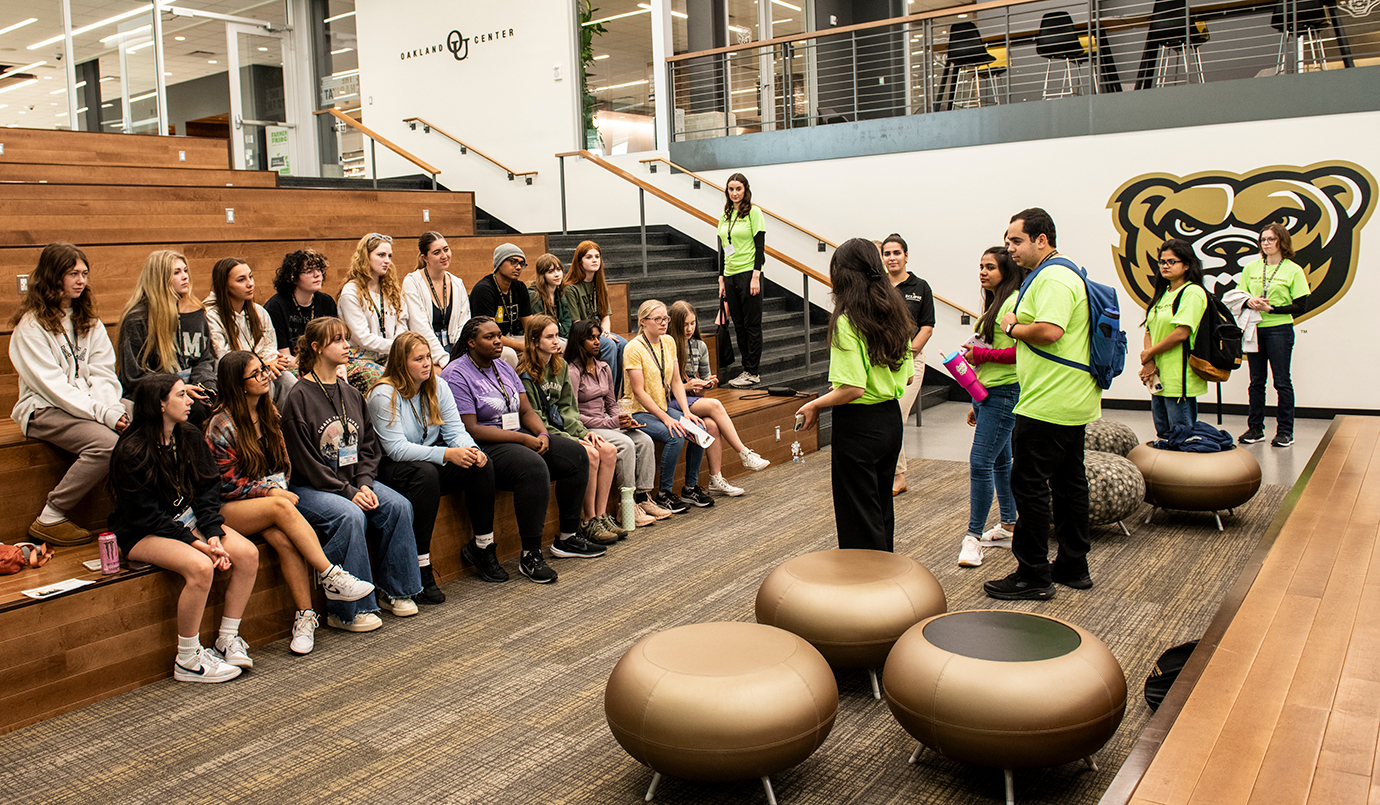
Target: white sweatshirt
[418, 299]
[49, 376]
[266, 348]
[363, 321]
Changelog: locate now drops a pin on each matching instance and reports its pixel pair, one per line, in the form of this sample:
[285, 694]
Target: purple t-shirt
[486, 393]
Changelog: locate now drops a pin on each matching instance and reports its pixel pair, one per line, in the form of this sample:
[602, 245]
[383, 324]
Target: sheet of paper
[702, 438]
[56, 589]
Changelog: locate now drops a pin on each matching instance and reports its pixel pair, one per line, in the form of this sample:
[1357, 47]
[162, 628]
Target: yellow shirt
[656, 362]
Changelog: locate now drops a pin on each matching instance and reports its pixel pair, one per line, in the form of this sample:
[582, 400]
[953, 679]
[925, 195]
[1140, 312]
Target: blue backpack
[1106, 341]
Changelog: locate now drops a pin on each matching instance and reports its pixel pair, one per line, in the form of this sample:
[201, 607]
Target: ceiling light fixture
[617, 17]
[602, 57]
[93, 26]
[629, 84]
[23, 69]
[342, 50]
[107, 40]
[140, 47]
[19, 25]
[340, 16]
[20, 84]
[787, 5]
[145, 96]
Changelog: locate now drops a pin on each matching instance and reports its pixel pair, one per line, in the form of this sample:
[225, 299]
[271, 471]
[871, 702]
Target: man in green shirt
[1057, 402]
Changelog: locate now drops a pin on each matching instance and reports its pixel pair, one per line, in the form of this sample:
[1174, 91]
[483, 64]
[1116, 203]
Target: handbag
[725, 341]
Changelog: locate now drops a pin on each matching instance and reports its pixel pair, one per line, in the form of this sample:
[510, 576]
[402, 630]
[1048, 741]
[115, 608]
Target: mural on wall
[1323, 205]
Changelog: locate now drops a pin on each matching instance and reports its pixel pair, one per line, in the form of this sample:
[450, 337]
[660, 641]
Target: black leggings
[529, 474]
[746, 312]
[423, 483]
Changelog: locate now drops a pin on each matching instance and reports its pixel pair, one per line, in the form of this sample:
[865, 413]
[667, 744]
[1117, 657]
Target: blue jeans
[611, 352]
[989, 463]
[1276, 347]
[345, 526]
[1170, 411]
[670, 452]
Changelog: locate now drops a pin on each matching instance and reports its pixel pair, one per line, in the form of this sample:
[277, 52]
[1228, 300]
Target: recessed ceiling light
[342, 50]
[263, 50]
[180, 38]
[339, 16]
[604, 56]
[167, 75]
[212, 61]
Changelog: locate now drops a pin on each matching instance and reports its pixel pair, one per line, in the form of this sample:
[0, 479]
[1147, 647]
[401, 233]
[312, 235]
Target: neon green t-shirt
[1162, 321]
[991, 375]
[1052, 392]
[736, 237]
[1286, 283]
[848, 366]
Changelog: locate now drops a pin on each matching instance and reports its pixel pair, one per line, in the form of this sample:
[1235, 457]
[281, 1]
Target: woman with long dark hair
[167, 513]
[246, 439]
[993, 354]
[238, 322]
[869, 367]
[371, 305]
[586, 297]
[298, 299]
[437, 303]
[1171, 326]
[1279, 291]
[548, 293]
[742, 235]
[426, 450]
[69, 395]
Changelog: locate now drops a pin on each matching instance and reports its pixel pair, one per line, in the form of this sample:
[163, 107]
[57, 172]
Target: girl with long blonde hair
[371, 305]
[164, 329]
[427, 451]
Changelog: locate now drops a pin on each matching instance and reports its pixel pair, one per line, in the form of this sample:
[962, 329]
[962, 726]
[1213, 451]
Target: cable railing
[465, 148]
[379, 138]
[1010, 51]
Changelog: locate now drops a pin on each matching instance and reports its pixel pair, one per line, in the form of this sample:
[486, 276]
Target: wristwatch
[1011, 327]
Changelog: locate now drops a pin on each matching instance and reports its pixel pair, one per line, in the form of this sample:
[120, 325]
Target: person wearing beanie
[504, 297]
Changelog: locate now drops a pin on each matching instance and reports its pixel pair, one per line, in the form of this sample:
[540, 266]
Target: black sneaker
[485, 561]
[1015, 588]
[1282, 440]
[1252, 436]
[670, 502]
[1078, 581]
[696, 496]
[533, 566]
[576, 547]
[430, 594]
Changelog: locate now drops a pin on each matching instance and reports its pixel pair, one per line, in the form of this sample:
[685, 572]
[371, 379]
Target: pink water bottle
[965, 375]
[110, 553]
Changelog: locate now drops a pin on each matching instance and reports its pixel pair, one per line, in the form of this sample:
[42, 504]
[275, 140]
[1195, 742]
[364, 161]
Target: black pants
[1047, 462]
[529, 474]
[423, 483]
[746, 312]
[867, 440]
[1276, 347]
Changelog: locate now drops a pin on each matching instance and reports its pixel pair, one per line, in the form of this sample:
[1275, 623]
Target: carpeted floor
[497, 696]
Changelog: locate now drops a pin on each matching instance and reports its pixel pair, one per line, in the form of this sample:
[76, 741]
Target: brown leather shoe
[64, 533]
[898, 485]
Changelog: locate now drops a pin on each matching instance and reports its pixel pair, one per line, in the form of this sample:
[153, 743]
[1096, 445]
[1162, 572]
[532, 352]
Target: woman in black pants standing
[869, 368]
[742, 253]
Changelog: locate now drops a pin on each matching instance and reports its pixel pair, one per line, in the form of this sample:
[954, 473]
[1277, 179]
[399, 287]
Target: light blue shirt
[404, 435]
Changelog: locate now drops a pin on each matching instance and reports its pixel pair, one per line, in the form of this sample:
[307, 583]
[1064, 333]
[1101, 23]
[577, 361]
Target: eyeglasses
[659, 319]
[312, 270]
[1269, 239]
[258, 374]
[517, 261]
[1169, 263]
[380, 237]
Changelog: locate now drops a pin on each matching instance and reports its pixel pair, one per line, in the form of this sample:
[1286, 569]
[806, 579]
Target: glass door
[262, 134]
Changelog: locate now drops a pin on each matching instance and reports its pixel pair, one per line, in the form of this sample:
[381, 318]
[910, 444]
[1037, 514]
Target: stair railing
[376, 137]
[465, 148]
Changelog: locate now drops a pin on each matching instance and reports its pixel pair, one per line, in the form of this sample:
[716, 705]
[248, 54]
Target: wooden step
[50, 147]
[125, 175]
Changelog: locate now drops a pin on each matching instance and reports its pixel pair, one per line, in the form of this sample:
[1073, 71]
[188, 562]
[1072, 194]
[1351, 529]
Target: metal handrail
[466, 147]
[823, 241]
[376, 137]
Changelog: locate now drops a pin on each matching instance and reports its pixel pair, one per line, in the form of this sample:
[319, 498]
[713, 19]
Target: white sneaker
[752, 461]
[997, 537]
[363, 622]
[654, 511]
[234, 651]
[971, 554]
[717, 483]
[745, 380]
[342, 585]
[204, 666]
[400, 607]
[304, 632]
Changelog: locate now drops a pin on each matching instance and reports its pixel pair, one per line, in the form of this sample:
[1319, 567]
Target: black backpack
[1166, 670]
[1216, 349]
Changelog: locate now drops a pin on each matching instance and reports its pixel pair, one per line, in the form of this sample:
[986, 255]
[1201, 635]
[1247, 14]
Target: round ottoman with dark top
[721, 701]
[1115, 488]
[1197, 482]
[852, 604]
[1109, 436]
[1007, 689]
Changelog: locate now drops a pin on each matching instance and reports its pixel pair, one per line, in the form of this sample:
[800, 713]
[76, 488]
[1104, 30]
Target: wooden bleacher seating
[126, 176]
[47, 147]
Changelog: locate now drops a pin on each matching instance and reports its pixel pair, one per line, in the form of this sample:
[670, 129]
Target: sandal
[36, 555]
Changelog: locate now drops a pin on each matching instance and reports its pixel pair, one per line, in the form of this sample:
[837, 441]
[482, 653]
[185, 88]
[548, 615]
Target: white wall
[949, 204]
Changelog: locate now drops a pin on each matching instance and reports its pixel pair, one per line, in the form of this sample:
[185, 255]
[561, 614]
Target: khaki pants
[92, 442]
[907, 403]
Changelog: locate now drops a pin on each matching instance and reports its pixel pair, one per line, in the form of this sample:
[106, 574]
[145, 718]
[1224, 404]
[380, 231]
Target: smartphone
[799, 421]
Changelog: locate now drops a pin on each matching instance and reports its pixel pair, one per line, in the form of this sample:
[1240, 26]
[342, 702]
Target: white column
[662, 47]
[71, 70]
[160, 81]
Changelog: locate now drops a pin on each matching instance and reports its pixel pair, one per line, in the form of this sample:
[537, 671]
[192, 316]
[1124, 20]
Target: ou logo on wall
[1323, 205]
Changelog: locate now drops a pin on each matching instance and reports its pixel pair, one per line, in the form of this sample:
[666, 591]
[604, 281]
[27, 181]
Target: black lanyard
[1265, 281]
[72, 345]
[425, 407]
[446, 287]
[498, 384]
[660, 358]
[382, 330]
[339, 409]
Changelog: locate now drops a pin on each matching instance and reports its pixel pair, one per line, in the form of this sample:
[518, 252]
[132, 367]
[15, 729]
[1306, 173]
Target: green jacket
[555, 390]
[562, 316]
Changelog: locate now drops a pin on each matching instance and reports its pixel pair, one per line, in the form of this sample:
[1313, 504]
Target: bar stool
[1308, 15]
[967, 53]
[1168, 22]
[996, 70]
[1058, 39]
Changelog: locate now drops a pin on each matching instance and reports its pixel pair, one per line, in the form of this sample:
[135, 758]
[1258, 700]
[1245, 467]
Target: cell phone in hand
[799, 421]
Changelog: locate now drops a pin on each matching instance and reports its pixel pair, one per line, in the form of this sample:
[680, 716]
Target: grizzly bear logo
[1323, 205]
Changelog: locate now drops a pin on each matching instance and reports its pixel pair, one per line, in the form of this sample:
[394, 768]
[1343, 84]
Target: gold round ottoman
[1008, 689]
[1197, 482]
[721, 701]
[851, 604]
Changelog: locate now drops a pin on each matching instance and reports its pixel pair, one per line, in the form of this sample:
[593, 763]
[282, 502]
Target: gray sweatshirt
[196, 359]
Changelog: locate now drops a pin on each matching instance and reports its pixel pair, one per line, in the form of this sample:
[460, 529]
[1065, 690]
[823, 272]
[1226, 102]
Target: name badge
[728, 248]
[349, 454]
[510, 421]
[187, 517]
[277, 479]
